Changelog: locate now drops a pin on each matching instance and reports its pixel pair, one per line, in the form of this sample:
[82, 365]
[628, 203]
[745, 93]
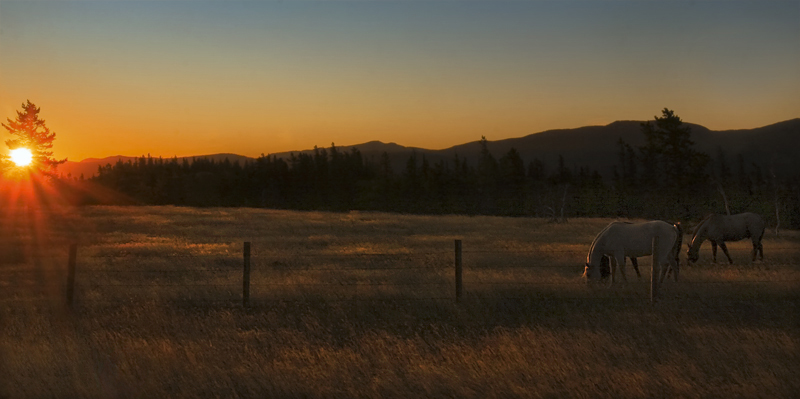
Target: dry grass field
[363, 305]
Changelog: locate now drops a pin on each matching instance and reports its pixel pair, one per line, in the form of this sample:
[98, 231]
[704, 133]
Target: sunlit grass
[362, 304]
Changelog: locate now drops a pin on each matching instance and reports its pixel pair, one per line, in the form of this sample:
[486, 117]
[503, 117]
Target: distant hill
[596, 146]
[593, 146]
[88, 167]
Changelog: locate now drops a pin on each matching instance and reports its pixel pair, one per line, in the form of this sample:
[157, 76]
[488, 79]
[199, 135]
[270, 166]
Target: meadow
[363, 305]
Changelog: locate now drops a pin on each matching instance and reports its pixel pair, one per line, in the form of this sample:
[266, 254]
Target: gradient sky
[176, 78]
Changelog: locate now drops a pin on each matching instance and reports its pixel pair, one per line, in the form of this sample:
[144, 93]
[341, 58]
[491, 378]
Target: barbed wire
[382, 254]
[363, 254]
[705, 303]
[135, 255]
[357, 284]
[96, 270]
[159, 285]
[237, 285]
[237, 302]
[256, 272]
[271, 255]
[256, 269]
[630, 283]
[37, 300]
[438, 268]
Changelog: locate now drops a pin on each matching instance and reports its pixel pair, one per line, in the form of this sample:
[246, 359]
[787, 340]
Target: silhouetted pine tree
[487, 179]
[512, 183]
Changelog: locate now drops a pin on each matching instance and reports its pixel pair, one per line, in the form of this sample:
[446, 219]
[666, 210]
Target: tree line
[664, 179]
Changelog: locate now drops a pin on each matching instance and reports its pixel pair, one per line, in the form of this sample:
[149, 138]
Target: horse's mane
[702, 222]
[591, 248]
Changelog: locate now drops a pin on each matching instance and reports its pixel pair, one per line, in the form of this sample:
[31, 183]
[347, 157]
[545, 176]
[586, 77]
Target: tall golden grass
[362, 304]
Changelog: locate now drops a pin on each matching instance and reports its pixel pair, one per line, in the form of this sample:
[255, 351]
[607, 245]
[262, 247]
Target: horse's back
[755, 224]
[742, 225]
[636, 239]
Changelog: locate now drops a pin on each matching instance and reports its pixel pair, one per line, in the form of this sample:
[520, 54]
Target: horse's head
[591, 273]
[692, 254]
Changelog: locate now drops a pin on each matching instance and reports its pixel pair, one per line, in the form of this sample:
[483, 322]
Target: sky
[182, 78]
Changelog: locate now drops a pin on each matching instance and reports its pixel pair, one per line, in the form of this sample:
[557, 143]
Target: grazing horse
[721, 228]
[605, 266]
[623, 239]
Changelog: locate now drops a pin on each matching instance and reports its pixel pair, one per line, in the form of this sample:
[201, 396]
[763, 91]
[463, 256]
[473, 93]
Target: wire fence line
[276, 285]
[268, 264]
[52, 284]
[338, 269]
[505, 251]
[277, 254]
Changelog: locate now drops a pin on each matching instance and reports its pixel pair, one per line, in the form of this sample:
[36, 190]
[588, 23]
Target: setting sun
[21, 156]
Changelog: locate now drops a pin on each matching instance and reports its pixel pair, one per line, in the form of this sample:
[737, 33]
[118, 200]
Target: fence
[441, 273]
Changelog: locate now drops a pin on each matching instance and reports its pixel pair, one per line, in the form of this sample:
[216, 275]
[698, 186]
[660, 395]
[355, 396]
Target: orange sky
[189, 78]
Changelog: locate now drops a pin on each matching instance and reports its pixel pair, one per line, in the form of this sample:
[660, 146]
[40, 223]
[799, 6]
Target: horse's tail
[761, 234]
[763, 227]
[676, 247]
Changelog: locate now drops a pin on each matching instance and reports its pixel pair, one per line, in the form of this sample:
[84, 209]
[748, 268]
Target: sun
[21, 156]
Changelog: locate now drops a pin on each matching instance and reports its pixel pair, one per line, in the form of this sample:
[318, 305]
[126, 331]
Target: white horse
[623, 239]
[721, 228]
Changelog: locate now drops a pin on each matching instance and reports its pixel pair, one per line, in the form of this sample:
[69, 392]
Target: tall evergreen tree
[29, 131]
[723, 170]
[627, 164]
[512, 182]
[488, 173]
[669, 159]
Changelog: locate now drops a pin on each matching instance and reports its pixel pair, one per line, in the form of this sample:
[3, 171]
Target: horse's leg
[713, 252]
[758, 249]
[663, 268]
[669, 268]
[635, 264]
[674, 266]
[725, 249]
[662, 271]
[612, 265]
[622, 266]
[615, 261]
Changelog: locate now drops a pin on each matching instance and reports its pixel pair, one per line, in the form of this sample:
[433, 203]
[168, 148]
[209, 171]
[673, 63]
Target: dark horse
[721, 228]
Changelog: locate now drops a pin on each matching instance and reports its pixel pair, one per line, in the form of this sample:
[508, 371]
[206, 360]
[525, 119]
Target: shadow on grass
[619, 310]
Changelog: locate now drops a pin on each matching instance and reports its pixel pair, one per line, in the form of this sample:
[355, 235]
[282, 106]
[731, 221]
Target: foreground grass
[342, 308]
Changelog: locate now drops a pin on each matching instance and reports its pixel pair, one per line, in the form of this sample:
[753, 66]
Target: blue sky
[251, 77]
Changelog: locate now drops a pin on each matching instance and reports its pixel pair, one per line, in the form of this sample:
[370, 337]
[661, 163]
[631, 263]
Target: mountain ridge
[592, 146]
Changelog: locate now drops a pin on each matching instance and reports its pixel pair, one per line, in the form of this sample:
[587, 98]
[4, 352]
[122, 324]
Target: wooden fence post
[73, 255]
[458, 271]
[655, 271]
[246, 276]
